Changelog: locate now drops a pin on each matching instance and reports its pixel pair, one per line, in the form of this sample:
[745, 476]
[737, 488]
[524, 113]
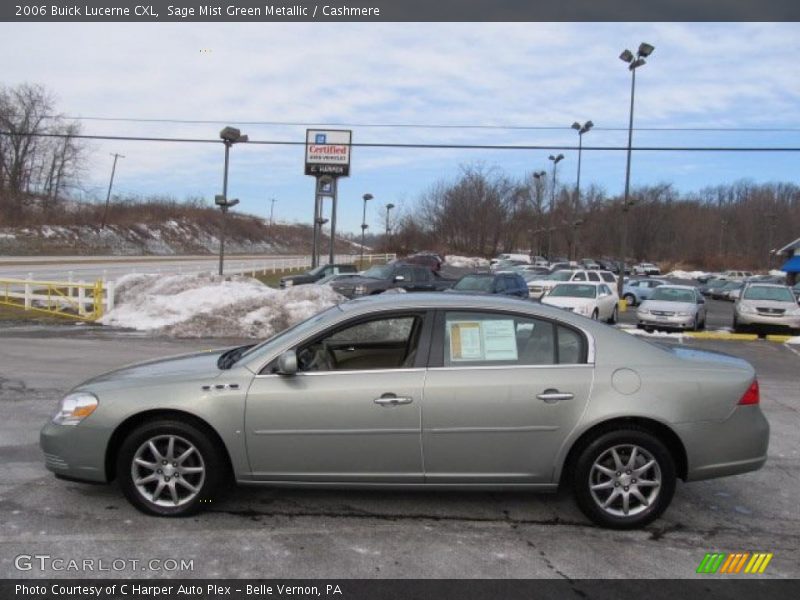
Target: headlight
[74, 408]
[644, 311]
[360, 290]
[793, 312]
[287, 283]
[684, 314]
[585, 310]
[746, 308]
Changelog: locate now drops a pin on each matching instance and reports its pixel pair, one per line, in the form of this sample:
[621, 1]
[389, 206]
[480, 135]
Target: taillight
[751, 396]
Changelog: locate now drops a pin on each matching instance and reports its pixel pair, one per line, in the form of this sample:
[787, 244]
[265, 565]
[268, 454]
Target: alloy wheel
[168, 470]
[625, 480]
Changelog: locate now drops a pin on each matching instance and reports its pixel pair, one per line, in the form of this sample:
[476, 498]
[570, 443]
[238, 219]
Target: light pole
[539, 178]
[364, 226]
[229, 137]
[556, 160]
[389, 207]
[272, 212]
[634, 62]
[770, 236]
[110, 183]
[581, 129]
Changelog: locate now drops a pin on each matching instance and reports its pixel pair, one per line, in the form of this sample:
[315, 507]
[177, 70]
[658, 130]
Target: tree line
[484, 212]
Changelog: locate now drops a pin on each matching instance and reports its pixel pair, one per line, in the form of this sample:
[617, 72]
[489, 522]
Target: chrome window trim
[495, 367]
[346, 372]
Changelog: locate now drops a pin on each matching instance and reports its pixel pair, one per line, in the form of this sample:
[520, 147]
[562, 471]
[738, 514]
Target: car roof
[452, 301]
[675, 286]
[595, 283]
[759, 284]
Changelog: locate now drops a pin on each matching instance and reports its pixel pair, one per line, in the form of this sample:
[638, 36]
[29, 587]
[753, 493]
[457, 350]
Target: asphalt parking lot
[304, 533]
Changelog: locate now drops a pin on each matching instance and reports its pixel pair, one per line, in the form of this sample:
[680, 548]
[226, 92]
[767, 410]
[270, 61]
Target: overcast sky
[532, 74]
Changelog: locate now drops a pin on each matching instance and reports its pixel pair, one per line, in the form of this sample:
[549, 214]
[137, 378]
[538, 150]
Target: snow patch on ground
[795, 340]
[685, 274]
[206, 305]
[466, 262]
[776, 273]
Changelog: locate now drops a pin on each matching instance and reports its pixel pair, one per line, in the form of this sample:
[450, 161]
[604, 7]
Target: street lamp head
[645, 49]
[636, 64]
[364, 226]
[231, 135]
[367, 197]
[556, 159]
[587, 126]
[233, 202]
[626, 55]
[576, 126]
[389, 206]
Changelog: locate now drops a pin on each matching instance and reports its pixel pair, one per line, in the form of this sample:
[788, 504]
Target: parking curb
[721, 335]
[780, 338]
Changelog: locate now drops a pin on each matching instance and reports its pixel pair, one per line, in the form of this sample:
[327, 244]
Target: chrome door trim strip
[491, 429]
[334, 431]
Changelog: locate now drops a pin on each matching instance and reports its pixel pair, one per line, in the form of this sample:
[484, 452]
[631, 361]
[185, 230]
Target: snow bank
[466, 262]
[685, 274]
[776, 273]
[794, 340]
[206, 305]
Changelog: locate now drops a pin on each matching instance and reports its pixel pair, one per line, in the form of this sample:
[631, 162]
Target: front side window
[495, 339]
[382, 343]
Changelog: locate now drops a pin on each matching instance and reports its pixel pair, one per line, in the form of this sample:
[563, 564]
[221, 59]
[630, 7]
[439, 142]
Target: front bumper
[75, 451]
[717, 449]
[673, 321]
[775, 321]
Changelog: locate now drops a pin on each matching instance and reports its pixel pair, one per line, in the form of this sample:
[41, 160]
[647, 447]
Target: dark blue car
[507, 284]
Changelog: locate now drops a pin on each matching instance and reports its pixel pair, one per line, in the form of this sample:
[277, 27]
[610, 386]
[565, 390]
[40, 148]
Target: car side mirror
[287, 363]
[399, 278]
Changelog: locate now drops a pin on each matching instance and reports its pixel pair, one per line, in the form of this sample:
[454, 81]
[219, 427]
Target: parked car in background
[540, 261]
[706, 277]
[597, 301]
[724, 292]
[766, 305]
[539, 287]
[673, 307]
[589, 263]
[506, 264]
[358, 394]
[636, 291]
[316, 274]
[646, 269]
[507, 284]
[561, 266]
[432, 261]
[380, 278]
[520, 258]
[331, 278]
[736, 275]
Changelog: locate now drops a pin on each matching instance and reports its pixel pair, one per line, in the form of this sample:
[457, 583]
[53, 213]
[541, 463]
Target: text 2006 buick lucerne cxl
[421, 390]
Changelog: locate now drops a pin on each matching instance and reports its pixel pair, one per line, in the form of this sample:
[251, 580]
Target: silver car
[762, 304]
[421, 390]
[673, 307]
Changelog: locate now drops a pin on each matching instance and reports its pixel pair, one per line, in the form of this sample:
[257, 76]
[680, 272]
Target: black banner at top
[397, 10]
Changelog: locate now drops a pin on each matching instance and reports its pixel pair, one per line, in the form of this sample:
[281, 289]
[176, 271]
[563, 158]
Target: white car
[594, 300]
[507, 256]
[540, 287]
[646, 268]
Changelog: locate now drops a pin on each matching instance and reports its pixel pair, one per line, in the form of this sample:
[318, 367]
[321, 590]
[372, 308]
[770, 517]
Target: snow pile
[776, 273]
[685, 274]
[794, 340]
[466, 262]
[206, 305]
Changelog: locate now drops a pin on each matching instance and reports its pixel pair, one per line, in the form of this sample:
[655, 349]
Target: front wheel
[614, 316]
[595, 315]
[169, 468]
[624, 479]
[630, 299]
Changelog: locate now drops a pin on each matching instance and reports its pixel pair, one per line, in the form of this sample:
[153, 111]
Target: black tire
[614, 316]
[596, 448]
[630, 299]
[737, 328]
[595, 315]
[206, 455]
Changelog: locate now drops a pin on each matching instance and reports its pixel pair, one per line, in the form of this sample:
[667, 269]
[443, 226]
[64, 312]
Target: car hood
[668, 306]
[566, 302]
[185, 366]
[768, 304]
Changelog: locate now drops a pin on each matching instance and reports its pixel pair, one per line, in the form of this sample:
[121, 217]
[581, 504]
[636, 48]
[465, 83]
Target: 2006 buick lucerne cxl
[420, 390]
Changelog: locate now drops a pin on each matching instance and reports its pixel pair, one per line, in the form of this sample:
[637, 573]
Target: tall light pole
[364, 226]
[634, 62]
[581, 129]
[110, 183]
[272, 212]
[556, 160]
[229, 137]
[389, 207]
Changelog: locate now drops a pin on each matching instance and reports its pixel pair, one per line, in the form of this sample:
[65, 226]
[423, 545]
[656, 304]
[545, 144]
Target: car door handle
[551, 395]
[392, 400]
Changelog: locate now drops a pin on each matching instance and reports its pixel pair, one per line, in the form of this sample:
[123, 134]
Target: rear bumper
[717, 449]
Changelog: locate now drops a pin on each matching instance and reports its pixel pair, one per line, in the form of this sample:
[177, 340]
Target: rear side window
[500, 285]
[494, 339]
[608, 277]
[579, 277]
[594, 276]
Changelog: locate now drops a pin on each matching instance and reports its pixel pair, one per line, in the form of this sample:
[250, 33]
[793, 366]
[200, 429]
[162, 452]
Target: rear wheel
[624, 479]
[595, 314]
[169, 468]
[630, 299]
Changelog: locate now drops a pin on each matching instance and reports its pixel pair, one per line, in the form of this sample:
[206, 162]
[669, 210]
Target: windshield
[574, 291]
[474, 283]
[317, 270]
[672, 295]
[378, 272]
[760, 292]
[561, 276]
[296, 329]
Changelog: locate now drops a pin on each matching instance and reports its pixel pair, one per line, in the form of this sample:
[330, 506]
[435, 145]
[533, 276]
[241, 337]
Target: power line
[418, 125]
[128, 138]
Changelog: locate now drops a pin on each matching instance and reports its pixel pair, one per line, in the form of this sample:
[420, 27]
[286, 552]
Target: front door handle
[552, 395]
[390, 399]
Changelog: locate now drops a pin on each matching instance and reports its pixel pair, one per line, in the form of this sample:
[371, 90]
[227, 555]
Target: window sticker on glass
[465, 340]
[482, 340]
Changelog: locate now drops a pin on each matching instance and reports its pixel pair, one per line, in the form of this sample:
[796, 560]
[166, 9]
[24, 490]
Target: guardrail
[71, 299]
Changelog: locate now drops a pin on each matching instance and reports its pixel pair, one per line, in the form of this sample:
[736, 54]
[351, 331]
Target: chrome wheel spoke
[632, 459]
[147, 479]
[170, 455]
[605, 485]
[611, 498]
[617, 461]
[145, 464]
[639, 496]
[605, 470]
[190, 470]
[173, 491]
[159, 488]
[626, 503]
[187, 485]
[185, 455]
[156, 454]
[647, 483]
[645, 467]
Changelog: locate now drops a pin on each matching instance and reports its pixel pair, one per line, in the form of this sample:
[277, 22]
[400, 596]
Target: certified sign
[328, 152]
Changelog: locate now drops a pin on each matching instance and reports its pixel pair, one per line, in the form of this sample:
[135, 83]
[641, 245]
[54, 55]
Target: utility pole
[364, 226]
[272, 212]
[389, 207]
[110, 183]
[556, 160]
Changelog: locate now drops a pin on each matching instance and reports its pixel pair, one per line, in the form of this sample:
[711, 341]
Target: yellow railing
[72, 300]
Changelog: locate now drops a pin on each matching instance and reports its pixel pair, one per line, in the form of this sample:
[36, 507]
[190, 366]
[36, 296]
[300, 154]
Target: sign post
[327, 159]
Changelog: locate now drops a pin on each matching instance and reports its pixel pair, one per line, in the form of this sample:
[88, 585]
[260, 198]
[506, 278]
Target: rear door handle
[390, 399]
[553, 395]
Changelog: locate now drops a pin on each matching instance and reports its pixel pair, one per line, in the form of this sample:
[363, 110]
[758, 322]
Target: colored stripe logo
[734, 562]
